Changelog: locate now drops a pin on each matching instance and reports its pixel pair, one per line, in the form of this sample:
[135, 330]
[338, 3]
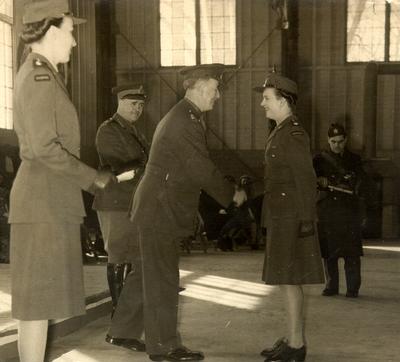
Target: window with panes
[373, 30]
[197, 32]
[6, 64]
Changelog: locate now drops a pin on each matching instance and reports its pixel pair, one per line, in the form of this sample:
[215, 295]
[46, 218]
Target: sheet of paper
[126, 176]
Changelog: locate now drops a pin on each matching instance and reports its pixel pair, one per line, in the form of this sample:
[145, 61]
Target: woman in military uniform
[292, 256]
[46, 206]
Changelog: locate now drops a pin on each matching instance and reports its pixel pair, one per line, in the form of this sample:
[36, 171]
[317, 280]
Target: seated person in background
[341, 181]
[241, 226]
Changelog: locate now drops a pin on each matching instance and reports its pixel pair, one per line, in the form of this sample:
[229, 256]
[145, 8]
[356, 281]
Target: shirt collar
[193, 108]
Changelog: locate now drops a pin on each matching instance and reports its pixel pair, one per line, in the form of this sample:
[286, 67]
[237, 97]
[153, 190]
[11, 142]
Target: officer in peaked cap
[204, 71]
[164, 207]
[123, 149]
[130, 91]
[292, 256]
[46, 206]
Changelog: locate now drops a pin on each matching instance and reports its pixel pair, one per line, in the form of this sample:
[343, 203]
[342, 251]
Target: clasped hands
[105, 178]
[101, 181]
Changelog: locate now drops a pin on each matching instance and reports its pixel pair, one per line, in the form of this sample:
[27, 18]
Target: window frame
[198, 39]
[386, 62]
[10, 21]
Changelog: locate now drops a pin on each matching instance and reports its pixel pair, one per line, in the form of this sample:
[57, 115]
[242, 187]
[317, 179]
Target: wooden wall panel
[386, 117]
[338, 35]
[83, 71]
[323, 23]
[259, 122]
[229, 96]
[305, 40]
[244, 110]
[355, 106]
[322, 108]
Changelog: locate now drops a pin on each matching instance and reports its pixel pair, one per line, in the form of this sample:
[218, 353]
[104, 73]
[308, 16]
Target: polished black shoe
[135, 345]
[350, 294]
[278, 345]
[289, 354]
[178, 354]
[329, 292]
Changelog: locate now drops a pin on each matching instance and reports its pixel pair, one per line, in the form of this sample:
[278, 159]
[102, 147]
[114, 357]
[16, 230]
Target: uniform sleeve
[39, 116]
[202, 171]
[113, 152]
[300, 163]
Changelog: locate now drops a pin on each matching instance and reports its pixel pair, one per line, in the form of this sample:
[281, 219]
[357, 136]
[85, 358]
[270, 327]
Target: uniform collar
[40, 59]
[123, 122]
[193, 109]
[290, 119]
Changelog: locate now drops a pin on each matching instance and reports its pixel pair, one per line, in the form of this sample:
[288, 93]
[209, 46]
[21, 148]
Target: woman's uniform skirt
[46, 271]
[290, 259]
[120, 237]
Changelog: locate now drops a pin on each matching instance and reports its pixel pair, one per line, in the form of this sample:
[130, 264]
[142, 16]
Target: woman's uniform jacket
[47, 187]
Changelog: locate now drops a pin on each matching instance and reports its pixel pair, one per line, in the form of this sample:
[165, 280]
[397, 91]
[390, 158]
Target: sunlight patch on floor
[75, 356]
[218, 296]
[184, 273]
[384, 248]
[5, 302]
[234, 285]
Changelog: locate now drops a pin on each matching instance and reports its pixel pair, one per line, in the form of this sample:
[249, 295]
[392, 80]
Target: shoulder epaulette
[40, 77]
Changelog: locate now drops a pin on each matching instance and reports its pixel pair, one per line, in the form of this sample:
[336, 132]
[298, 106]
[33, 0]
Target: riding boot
[115, 277]
[127, 270]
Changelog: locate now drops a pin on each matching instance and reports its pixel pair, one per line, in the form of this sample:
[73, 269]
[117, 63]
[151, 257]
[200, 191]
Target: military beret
[130, 91]
[39, 10]
[336, 129]
[280, 82]
[214, 71]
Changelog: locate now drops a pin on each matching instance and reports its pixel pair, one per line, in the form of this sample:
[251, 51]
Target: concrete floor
[231, 316]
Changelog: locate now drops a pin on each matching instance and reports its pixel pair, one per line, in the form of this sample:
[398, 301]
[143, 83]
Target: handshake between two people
[102, 180]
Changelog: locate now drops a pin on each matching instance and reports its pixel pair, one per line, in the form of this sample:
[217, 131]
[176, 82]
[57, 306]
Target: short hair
[191, 82]
[290, 97]
[33, 32]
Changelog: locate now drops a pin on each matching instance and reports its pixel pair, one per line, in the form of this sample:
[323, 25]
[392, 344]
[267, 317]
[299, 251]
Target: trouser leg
[160, 257]
[127, 321]
[352, 267]
[331, 274]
